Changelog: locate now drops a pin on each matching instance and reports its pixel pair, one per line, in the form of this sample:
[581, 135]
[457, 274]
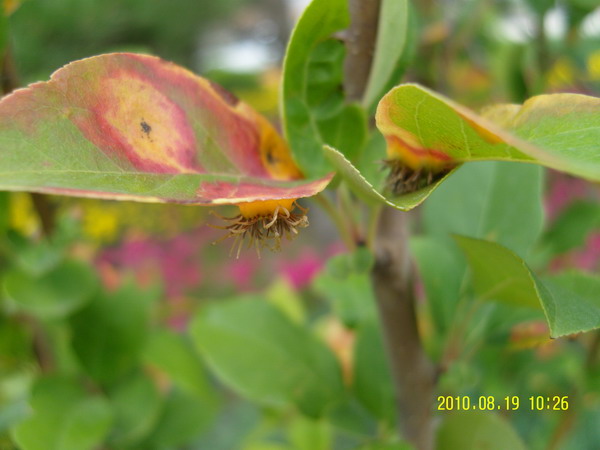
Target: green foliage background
[91, 358]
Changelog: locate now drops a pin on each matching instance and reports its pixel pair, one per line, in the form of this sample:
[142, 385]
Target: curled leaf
[425, 129]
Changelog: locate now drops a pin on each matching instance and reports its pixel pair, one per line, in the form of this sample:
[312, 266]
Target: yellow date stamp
[508, 403]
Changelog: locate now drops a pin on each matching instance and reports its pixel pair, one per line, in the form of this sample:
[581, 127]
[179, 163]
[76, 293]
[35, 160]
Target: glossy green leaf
[64, 417]
[560, 131]
[260, 353]
[476, 430]
[57, 293]
[392, 48]
[367, 192]
[109, 334]
[137, 404]
[134, 127]
[570, 301]
[307, 78]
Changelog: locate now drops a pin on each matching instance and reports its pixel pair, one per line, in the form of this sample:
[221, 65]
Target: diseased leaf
[367, 192]
[570, 301]
[560, 131]
[134, 127]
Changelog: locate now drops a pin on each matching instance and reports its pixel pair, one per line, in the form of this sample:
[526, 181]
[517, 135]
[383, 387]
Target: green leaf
[477, 430]
[365, 190]
[64, 417]
[347, 131]
[57, 293]
[346, 282]
[137, 405]
[174, 355]
[282, 295]
[33, 257]
[569, 301]
[134, 127]
[497, 201]
[307, 434]
[184, 417]
[372, 381]
[572, 227]
[392, 48]
[442, 275]
[110, 333]
[260, 353]
[191, 403]
[304, 83]
[560, 131]
[499, 274]
[4, 211]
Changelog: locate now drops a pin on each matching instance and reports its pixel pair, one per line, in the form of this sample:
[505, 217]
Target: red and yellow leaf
[134, 127]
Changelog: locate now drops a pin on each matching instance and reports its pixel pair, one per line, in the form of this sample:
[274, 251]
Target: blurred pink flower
[242, 271]
[587, 257]
[175, 260]
[300, 271]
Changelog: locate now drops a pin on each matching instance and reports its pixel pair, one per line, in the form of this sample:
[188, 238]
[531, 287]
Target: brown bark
[412, 371]
[360, 40]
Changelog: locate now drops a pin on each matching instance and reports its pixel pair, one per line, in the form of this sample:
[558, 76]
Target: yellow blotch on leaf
[153, 126]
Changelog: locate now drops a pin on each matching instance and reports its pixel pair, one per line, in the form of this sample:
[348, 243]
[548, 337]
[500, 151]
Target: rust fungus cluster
[403, 179]
[264, 224]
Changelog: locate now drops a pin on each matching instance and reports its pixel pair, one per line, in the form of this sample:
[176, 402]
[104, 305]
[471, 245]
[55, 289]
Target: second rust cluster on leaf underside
[403, 179]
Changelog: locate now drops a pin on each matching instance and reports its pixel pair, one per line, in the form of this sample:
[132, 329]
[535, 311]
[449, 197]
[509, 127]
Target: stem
[10, 81]
[392, 275]
[341, 224]
[412, 371]
[360, 42]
